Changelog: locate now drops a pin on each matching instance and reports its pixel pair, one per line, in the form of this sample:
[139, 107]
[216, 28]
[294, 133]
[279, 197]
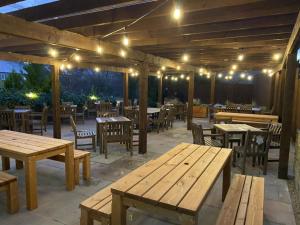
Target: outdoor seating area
[150, 112]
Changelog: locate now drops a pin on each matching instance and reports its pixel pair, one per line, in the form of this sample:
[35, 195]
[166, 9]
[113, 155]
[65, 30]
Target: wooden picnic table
[230, 129]
[100, 121]
[30, 148]
[150, 110]
[247, 117]
[175, 185]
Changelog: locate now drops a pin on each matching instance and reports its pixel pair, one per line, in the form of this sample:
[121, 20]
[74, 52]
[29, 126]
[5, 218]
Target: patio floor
[58, 206]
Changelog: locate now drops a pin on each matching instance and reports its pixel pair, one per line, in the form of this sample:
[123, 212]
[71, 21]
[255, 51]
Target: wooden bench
[79, 156]
[97, 207]
[9, 184]
[244, 202]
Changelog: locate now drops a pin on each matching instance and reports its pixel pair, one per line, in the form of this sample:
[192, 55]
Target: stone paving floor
[58, 206]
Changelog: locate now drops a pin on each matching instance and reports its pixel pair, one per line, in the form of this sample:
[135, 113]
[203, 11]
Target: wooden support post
[56, 101]
[190, 101]
[160, 91]
[125, 89]
[275, 94]
[212, 89]
[281, 92]
[143, 104]
[287, 113]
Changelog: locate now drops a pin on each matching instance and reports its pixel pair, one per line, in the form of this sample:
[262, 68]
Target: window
[23, 5]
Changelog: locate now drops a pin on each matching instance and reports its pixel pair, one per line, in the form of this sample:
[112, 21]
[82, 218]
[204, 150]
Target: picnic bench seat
[9, 184]
[97, 207]
[79, 156]
[244, 202]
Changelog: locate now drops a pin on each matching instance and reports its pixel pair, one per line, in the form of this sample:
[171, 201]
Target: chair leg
[105, 148]
[85, 218]
[86, 168]
[234, 159]
[265, 160]
[12, 197]
[76, 171]
[94, 143]
[5, 163]
[244, 164]
[19, 164]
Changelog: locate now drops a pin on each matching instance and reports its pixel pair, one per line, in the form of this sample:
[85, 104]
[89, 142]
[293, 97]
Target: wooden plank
[287, 115]
[56, 101]
[247, 117]
[198, 193]
[190, 100]
[230, 207]
[212, 88]
[187, 157]
[255, 214]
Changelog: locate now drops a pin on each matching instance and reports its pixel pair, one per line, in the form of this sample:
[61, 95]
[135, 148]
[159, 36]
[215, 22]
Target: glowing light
[277, 56]
[158, 72]
[62, 67]
[177, 13]
[77, 57]
[158, 76]
[226, 77]
[250, 78]
[31, 95]
[97, 69]
[93, 97]
[125, 41]
[99, 50]
[270, 74]
[185, 57]
[220, 75]
[182, 76]
[270, 71]
[163, 68]
[187, 78]
[230, 77]
[201, 70]
[234, 67]
[264, 70]
[178, 67]
[130, 70]
[69, 66]
[175, 78]
[241, 57]
[242, 75]
[231, 72]
[166, 77]
[53, 52]
[123, 53]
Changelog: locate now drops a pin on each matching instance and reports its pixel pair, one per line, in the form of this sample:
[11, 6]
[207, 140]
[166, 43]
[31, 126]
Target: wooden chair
[7, 120]
[80, 113]
[133, 115]
[67, 111]
[38, 121]
[171, 114]
[256, 146]
[181, 111]
[83, 134]
[159, 122]
[9, 184]
[200, 138]
[275, 130]
[117, 132]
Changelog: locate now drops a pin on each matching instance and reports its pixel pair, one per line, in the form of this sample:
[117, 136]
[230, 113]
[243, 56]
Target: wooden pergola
[212, 33]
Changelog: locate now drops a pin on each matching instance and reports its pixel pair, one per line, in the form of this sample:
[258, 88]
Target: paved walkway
[57, 206]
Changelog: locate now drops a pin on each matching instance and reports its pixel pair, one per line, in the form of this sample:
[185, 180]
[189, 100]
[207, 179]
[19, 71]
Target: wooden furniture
[67, 110]
[120, 131]
[244, 203]
[200, 111]
[7, 120]
[38, 121]
[159, 122]
[30, 148]
[9, 184]
[83, 134]
[79, 157]
[181, 111]
[80, 113]
[231, 129]
[206, 139]
[101, 121]
[22, 116]
[175, 185]
[103, 108]
[133, 115]
[275, 130]
[247, 117]
[169, 120]
[256, 146]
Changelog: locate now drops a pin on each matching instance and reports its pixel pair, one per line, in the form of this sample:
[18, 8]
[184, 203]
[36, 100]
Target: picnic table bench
[244, 202]
[174, 185]
[9, 184]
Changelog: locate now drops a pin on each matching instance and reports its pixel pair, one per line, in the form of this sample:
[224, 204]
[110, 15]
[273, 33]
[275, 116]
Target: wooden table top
[111, 119]
[179, 179]
[247, 115]
[28, 144]
[150, 110]
[236, 128]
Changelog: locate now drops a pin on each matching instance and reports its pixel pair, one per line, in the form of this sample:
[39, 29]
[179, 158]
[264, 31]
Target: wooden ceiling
[213, 33]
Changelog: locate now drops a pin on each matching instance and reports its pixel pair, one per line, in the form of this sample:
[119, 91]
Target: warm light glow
[234, 67]
[62, 66]
[99, 50]
[166, 77]
[163, 68]
[220, 75]
[130, 70]
[69, 66]
[208, 76]
[185, 57]
[277, 56]
[243, 75]
[158, 72]
[177, 13]
[182, 76]
[187, 78]
[264, 70]
[77, 57]
[230, 77]
[125, 41]
[241, 57]
[97, 69]
[93, 97]
[123, 53]
[178, 68]
[31, 95]
[249, 77]
[270, 71]
[226, 77]
[158, 76]
[270, 74]
[53, 52]
[175, 78]
[231, 72]
[201, 70]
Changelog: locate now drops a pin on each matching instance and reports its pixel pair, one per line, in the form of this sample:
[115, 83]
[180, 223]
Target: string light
[265, 70]
[130, 70]
[249, 78]
[69, 66]
[226, 77]
[53, 52]
[270, 74]
[97, 69]
[220, 75]
[231, 72]
[163, 68]
[185, 57]
[188, 78]
[182, 76]
[177, 13]
[62, 67]
[201, 70]
[277, 56]
[77, 57]
[242, 75]
[230, 77]
[99, 50]
[158, 76]
[125, 41]
[178, 67]
[166, 77]
[240, 57]
[234, 67]
[175, 78]
[158, 72]
[123, 53]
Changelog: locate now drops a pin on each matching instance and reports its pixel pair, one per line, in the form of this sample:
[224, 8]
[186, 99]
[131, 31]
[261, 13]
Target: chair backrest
[73, 124]
[22, 107]
[106, 114]
[197, 131]
[133, 115]
[117, 131]
[67, 110]
[171, 113]
[275, 130]
[257, 141]
[7, 120]
[162, 115]
[45, 115]
[104, 107]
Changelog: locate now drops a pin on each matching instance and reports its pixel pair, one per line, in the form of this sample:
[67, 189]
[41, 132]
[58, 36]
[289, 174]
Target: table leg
[69, 167]
[226, 137]
[31, 183]
[118, 210]
[23, 123]
[226, 178]
[5, 163]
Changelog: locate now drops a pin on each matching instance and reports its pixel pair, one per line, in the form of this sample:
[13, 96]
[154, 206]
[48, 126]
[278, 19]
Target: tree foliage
[14, 81]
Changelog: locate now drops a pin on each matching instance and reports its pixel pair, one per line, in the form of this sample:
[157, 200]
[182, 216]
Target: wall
[262, 90]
